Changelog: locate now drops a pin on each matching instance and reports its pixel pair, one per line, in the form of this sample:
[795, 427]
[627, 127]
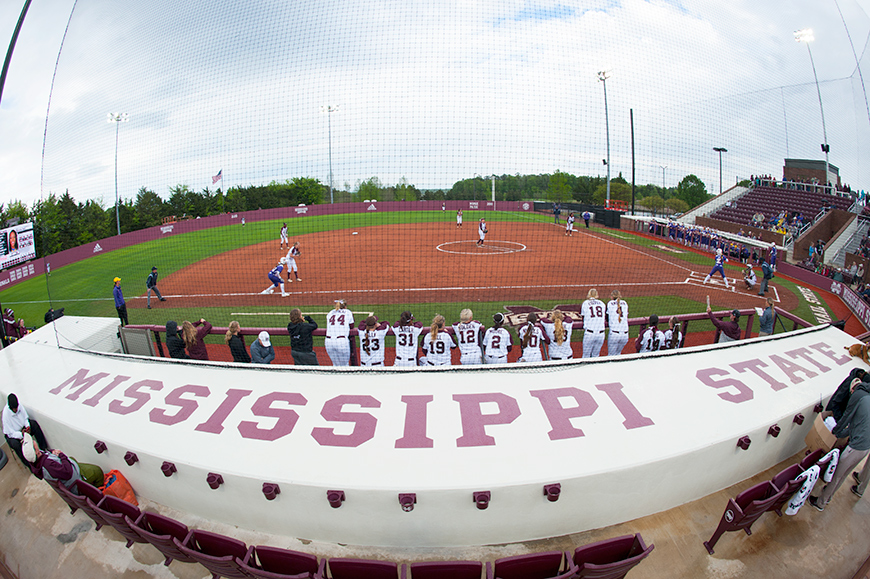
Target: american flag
[217, 177]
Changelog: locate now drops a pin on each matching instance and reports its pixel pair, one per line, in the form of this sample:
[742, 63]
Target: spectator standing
[854, 424]
[766, 322]
[194, 338]
[730, 330]
[120, 304]
[16, 422]
[301, 329]
[262, 351]
[586, 217]
[557, 210]
[174, 342]
[236, 343]
[151, 286]
[15, 329]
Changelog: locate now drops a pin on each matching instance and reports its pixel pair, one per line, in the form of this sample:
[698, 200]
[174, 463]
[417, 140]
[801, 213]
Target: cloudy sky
[429, 91]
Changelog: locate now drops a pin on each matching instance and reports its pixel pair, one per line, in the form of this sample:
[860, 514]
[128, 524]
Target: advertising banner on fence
[16, 245]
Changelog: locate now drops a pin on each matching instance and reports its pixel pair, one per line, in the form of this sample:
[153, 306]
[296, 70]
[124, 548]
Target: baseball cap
[735, 313]
[264, 338]
[153, 268]
[117, 279]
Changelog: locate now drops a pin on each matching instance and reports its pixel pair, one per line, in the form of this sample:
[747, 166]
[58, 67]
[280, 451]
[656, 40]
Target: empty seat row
[228, 557]
[747, 507]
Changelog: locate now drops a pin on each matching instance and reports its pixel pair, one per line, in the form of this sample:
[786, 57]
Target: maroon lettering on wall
[215, 422]
[186, 407]
[474, 421]
[791, 369]
[807, 355]
[79, 380]
[363, 424]
[826, 350]
[633, 417]
[755, 366]
[93, 401]
[560, 416]
[415, 423]
[139, 398]
[743, 393]
[286, 417]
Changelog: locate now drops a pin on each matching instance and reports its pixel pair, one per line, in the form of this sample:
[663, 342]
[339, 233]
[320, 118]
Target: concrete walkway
[39, 539]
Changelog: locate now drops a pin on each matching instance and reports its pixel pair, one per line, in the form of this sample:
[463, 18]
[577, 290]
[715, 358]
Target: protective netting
[422, 102]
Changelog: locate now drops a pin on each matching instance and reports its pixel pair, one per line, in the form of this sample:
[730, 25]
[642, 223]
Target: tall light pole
[329, 109]
[663, 167]
[720, 150]
[806, 36]
[603, 75]
[117, 118]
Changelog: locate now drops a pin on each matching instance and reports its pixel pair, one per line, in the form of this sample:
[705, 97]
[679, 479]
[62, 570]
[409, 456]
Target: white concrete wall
[657, 431]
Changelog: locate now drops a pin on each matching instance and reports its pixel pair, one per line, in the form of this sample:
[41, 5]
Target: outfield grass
[85, 288]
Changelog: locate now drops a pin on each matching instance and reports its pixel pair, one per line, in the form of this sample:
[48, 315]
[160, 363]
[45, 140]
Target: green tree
[406, 191]
[654, 203]
[149, 208]
[71, 214]
[618, 191]
[16, 209]
[47, 225]
[94, 222]
[692, 190]
[676, 205]
[368, 189]
[558, 190]
[306, 190]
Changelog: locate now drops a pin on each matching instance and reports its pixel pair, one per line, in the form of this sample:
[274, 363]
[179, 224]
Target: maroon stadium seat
[362, 569]
[218, 553]
[611, 558]
[441, 569]
[786, 481]
[745, 509]
[160, 532]
[262, 562]
[546, 565]
[113, 510]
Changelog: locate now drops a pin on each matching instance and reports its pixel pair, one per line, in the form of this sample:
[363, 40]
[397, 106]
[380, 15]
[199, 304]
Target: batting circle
[490, 248]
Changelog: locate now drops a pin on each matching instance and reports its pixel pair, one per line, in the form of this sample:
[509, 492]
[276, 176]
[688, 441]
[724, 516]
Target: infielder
[468, 333]
[407, 333]
[276, 279]
[371, 341]
[339, 321]
[593, 311]
[720, 261]
[284, 238]
[569, 225]
[617, 319]
[531, 337]
[481, 231]
[437, 344]
[559, 332]
[497, 342]
[458, 218]
[291, 261]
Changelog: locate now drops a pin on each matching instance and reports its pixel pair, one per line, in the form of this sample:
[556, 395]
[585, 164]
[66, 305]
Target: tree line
[62, 223]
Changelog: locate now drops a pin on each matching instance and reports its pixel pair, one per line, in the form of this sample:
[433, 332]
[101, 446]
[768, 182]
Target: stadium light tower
[806, 36]
[720, 150]
[117, 118]
[329, 109]
[603, 75]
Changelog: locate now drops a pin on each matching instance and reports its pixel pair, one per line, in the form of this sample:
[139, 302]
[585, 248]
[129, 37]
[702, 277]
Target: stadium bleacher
[772, 200]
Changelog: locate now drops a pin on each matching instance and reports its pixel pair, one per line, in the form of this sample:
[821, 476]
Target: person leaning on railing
[236, 343]
[301, 342]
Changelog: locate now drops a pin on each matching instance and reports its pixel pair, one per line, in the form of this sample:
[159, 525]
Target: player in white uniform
[673, 335]
[481, 231]
[458, 218]
[437, 344]
[569, 225]
[339, 321]
[468, 334]
[497, 341]
[407, 333]
[617, 319]
[650, 339]
[372, 338]
[291, 261]
[284, 238]
[559, 332]
[593, 311]
[531, 337]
